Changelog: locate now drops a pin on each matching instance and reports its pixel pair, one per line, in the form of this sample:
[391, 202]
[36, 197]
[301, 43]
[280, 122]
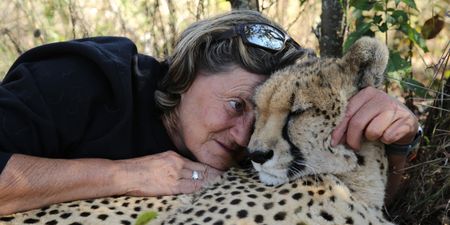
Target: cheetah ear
[367, 59]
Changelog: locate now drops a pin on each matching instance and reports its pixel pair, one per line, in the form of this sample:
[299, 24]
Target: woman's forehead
[236, 82]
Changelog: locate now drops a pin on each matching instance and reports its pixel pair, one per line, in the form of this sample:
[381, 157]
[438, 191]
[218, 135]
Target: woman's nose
[242, 129]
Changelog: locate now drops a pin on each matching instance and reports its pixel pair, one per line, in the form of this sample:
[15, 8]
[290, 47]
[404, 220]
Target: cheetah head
[299, 106]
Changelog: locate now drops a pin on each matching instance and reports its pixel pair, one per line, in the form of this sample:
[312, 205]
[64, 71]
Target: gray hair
[198, 49]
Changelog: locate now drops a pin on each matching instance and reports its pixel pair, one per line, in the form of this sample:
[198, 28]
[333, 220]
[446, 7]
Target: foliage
[383, 17]
[146, 217]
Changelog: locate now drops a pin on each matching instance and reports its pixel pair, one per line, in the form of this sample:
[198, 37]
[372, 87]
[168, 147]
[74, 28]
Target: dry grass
[425, 197]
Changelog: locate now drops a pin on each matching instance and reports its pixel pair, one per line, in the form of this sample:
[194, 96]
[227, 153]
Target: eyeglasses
[260, 35]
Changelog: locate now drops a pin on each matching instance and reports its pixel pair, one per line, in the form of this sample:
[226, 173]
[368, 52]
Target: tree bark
[244, 4]
[332, 28]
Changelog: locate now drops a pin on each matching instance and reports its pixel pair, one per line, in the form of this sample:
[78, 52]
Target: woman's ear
[367, 59]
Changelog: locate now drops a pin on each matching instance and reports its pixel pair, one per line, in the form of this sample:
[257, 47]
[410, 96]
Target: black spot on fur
[251, 204]
[200, 213]
[351, 207]
[125, 222]
[361, 160]
[102, 217]
[326, 215]
[6, 218]
[85, 214]
[268, 195]
[212, 209]
[310, 203]
[188, 211]
[31, 221]
[333, 198]
[348, 220]
[297, 196]
[268, 205]
[41, 214]
[223, 211]
[51, 222]
[219, 222]
[279, 216]
[235, 192]
[65, 215]
[283, 191]
[252, 196]
[259, 218]
[242, 213]
[53, 212]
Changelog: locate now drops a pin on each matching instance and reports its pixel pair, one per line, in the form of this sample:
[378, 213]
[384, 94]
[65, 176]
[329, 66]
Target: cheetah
[297, 177]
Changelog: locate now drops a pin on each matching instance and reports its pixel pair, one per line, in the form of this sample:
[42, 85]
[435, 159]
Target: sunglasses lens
[264, 36]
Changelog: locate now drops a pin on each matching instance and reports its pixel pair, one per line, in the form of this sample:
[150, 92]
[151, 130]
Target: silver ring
[195, 175]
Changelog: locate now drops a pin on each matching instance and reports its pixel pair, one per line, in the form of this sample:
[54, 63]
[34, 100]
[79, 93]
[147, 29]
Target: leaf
[410, 3]
[400, 17]
[146, 217]
[396, 63]
[377, 19]
[432, 27]
[414, 36]
[362, 30]
[362, 4]
[383, 27]
[415, 86]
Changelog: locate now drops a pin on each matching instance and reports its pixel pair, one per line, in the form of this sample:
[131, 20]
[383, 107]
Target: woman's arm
[29, 182]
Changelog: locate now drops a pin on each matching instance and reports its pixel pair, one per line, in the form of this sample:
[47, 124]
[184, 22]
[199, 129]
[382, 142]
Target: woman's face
[216, 116]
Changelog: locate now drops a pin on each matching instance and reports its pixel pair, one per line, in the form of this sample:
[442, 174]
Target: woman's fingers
[353, 106]
[375, 115]
[205, 172]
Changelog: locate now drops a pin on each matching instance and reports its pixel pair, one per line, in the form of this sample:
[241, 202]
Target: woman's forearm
[29, 182]
[395, 175]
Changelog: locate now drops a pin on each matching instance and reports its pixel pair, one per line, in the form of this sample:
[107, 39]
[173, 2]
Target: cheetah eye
[297, 112]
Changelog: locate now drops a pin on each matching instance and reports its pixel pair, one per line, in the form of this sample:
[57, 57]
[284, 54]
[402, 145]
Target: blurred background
[416, 32]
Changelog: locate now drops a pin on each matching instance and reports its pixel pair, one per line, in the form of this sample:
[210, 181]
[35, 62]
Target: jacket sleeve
[53, 93]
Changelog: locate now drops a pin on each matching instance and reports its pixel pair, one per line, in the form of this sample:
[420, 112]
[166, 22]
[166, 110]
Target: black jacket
[92, 97]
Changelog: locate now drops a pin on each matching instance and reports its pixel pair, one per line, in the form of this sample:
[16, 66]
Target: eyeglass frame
[238, 30]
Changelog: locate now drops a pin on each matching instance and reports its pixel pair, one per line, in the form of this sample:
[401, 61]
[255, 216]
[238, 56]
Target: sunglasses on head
[260, 35]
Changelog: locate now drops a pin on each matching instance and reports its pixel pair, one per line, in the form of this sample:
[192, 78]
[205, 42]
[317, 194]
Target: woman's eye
[236, 105]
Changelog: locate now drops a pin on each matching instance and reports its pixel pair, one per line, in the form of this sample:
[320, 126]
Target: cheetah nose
[260, 156]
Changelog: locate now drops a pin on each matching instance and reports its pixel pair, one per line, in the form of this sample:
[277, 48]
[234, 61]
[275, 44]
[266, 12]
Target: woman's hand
[166, 173]
[373, 114]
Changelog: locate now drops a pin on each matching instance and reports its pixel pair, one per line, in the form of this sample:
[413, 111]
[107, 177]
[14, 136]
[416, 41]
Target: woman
[92, 118]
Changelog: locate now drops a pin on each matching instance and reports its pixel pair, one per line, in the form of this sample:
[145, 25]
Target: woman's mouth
[227, 148]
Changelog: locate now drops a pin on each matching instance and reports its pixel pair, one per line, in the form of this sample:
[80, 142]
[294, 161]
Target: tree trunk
[332, 28]
[244, 4]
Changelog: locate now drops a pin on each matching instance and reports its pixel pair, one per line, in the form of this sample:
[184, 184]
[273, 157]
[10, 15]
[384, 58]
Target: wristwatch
[404, 149]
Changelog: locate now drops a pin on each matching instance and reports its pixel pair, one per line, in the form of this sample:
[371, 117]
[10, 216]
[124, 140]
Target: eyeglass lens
[264, 36]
